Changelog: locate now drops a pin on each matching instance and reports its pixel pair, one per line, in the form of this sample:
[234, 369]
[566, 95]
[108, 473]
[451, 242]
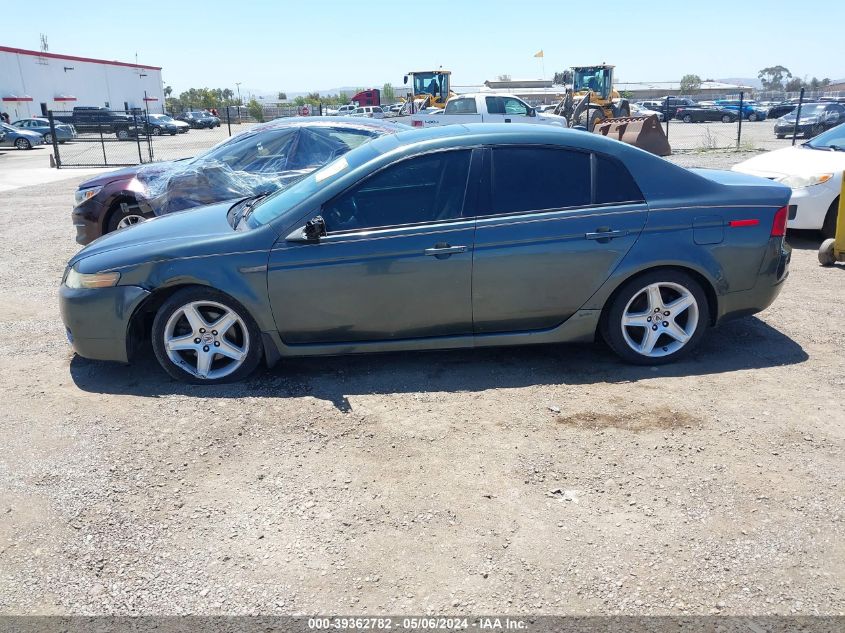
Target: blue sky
[322, 44]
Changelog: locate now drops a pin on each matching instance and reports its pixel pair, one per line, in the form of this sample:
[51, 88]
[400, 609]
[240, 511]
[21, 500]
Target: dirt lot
[532, 480]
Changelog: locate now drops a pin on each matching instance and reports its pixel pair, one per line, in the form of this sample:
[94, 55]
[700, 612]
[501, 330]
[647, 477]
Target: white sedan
[814, 172]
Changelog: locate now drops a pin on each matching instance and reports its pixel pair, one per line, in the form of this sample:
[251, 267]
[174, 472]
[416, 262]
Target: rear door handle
[605, 234]
[442, 251]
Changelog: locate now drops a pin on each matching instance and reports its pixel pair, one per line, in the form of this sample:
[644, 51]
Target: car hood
[127, 173]
[28, 133]
[793, 161]
[185, 234]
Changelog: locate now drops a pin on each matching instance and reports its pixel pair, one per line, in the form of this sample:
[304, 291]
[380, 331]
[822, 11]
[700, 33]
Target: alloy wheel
[130, 220]
[22, 143]
[206, 339]
[660, 319]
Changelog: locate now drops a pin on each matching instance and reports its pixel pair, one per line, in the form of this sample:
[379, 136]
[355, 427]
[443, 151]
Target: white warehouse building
[33, 82]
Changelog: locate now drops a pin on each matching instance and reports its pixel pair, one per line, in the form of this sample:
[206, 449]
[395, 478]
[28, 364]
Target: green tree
[690, 84]
[562, 78]
[255, 110]
[387, 93]
[772, 77]
[794, 85]
[283, 96]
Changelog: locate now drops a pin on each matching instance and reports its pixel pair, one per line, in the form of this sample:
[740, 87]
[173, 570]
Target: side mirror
[405, 81]
[532, 111]
[314, 229]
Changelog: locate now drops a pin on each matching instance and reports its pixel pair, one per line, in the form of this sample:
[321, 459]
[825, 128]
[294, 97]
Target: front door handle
[605, 234]
[442, 250]
[507, 120]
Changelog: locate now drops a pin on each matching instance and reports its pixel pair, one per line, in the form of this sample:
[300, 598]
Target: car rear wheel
[156, 131]
[656, 318]
[687, 118]
[203, 336]
[726, 118]
[780, 136]
[123, 135]
[752, 117]
[48, 138]
[23, 143]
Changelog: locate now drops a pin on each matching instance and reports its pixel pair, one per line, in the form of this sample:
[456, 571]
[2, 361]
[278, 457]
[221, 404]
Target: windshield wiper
[247, 205]
[836, 148]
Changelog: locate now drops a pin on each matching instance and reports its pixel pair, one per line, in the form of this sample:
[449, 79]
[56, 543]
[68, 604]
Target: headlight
[800, 182]
[76, 279]
[85, 194]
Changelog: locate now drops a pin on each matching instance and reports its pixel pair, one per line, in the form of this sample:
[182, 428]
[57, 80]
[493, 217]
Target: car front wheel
[687, 118]
[726, 118]
[23, 143]
[656, 318]
[752, 117]
[203, 336]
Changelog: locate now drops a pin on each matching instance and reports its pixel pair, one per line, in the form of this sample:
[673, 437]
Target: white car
[373, 112]
[486, 108]
[814, 172]
[638, 110]
[346, 110]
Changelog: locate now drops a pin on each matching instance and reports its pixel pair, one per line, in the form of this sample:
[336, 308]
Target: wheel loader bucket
[643, 132]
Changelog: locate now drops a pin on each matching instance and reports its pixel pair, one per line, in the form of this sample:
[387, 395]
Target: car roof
[332, 121]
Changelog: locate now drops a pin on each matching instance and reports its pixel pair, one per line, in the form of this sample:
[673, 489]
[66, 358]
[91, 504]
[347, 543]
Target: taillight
[779, 223]
[416, 123]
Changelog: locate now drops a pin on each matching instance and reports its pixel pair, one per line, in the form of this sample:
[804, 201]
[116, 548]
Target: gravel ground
[535, 480]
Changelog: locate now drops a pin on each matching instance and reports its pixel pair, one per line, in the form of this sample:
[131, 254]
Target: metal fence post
[739, 127]
[137, 137]
[147, 128]
[229, 119]
[797, 115]
[102, 141]
[666, 115]
[55, 142]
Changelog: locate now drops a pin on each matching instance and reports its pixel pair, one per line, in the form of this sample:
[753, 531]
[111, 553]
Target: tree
[504, 78]
[562, 78]
[690, 84]
[387, 93]
[168, 91]
[256, 111]
[794, 85]
[773, 76]
[283, 96]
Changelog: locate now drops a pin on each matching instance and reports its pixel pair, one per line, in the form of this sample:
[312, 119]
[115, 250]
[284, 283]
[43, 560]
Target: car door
[553, 224]
[395, 263]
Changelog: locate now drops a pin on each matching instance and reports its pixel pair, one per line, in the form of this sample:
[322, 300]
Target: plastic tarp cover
[258, 161]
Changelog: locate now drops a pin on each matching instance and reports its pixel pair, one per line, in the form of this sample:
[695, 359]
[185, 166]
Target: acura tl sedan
[454, 237]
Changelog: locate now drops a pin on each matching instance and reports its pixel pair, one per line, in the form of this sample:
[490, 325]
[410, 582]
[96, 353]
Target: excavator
[429, 89]
[593, 103]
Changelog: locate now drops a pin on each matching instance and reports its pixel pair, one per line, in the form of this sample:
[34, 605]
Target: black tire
[156, 131]
[780, 136]
[826, 253]
[181, 298]
[590, 118]
[752, 117]
[726, 118]
[829, 225]
[611, 323]
[120, 214]
[687, 118]
[122, 134]
[48, 138]
[23, 143]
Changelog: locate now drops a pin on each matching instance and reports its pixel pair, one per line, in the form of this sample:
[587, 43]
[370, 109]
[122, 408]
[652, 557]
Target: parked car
[640, 110]
[394, 246]
[485, 108]
[158, 124]
[99, 120]
[700, 115]
[261, 159]
[372, 112]
[815, 119]
[751, 110]
[199, 120]
[814, 172]
[346, 110]
[669, 105]
[20, 138]
[64, 131]
[777, 110]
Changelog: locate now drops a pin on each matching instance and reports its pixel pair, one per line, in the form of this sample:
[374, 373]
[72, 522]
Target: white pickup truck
[486, 108]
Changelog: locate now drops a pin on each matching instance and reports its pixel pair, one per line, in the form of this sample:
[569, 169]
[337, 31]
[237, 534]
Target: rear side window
[614, 182]
[461, 106]
[537, 178]
[495, 105]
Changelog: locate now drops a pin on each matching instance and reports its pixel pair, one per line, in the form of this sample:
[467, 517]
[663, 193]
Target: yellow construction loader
[593, 103]
[429, 89]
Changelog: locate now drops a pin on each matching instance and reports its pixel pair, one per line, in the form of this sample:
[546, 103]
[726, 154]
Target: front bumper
[86, 220]
[97, 320]
[809, 205]
[786, 130]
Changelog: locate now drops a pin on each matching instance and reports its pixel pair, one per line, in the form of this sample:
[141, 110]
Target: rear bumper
[772, 275]
[97, 320]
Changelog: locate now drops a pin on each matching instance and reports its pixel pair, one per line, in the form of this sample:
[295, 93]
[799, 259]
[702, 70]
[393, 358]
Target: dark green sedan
[450, 237]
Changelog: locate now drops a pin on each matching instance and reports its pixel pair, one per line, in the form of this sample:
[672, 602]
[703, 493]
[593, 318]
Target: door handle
[507, 120]
[442, 251]
[605, 234]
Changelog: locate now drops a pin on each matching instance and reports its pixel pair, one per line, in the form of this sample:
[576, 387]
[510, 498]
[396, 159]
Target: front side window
[515, 106]
[537, 178]
[427, 188]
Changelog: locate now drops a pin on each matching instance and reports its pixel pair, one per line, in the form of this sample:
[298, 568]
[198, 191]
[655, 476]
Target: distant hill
[743, 81]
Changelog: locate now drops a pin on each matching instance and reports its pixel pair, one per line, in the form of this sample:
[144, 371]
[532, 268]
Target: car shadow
[748, 343]
[803, 240]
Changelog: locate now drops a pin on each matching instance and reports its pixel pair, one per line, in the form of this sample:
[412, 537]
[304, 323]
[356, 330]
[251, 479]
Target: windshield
[593, 79]
[431, 83]
[284, 200]
[834, 138]
[160, 117]
[809, 109]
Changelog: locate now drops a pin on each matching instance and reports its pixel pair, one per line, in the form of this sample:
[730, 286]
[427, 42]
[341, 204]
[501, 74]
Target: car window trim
[460, 217]
[488, 189]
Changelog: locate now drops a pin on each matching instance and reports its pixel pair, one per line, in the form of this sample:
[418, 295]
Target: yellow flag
[539, 53]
